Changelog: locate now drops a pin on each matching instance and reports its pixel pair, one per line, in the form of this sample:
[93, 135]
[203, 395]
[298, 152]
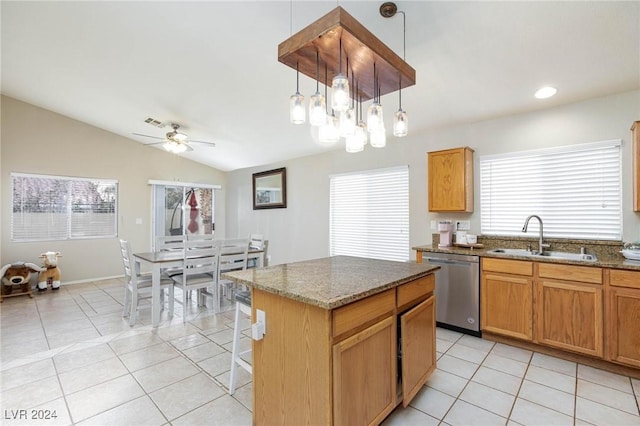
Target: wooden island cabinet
[347, 339]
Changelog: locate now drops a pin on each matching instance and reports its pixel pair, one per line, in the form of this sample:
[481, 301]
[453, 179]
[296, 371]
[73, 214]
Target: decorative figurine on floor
[51, 273]
[17, 274]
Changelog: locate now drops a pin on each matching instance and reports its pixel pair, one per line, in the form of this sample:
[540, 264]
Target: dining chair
[199, 272]
[256, 242]
[171, 243]
[138, 286]
[233, 257]
[243, 305]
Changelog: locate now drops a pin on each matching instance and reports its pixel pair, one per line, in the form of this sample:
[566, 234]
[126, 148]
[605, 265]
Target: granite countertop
[615, 262]
[331, 282]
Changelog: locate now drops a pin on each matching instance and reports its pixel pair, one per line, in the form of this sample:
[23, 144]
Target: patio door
[183, 209]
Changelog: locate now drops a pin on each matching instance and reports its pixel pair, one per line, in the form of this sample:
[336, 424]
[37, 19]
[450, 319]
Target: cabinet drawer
[416, 289]
[622, 278]
[518, 267]
[355, 314]
[584, 274]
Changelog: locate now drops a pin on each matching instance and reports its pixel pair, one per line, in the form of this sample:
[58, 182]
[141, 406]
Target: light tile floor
[71, 354]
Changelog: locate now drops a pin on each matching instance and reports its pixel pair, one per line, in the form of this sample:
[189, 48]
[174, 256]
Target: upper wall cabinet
[635, 140]
[451, 180]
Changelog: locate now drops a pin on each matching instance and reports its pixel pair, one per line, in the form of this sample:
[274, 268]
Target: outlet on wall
[463, 225]
[434, 226]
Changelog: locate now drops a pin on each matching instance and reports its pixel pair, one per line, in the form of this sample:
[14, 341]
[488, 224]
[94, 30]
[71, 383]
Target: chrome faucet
[526, 225]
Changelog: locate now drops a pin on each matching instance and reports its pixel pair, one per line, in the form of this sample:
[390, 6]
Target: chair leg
[171, 301]
[127, 303]
[234, 351]
[184, 304]
[134, 308]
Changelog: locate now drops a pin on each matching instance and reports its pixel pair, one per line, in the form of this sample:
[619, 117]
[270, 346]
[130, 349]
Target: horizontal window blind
[62, 208]
[576, 190]
[369, 214]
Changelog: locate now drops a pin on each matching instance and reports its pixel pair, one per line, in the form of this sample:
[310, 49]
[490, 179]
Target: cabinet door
[364, 375]
[624, 326]
[570, 316]
[418, 338]
[451, 180]
[507, 305]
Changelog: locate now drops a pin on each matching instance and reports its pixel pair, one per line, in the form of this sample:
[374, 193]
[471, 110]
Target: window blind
[369, 214]
[62, 208]
[576, 190]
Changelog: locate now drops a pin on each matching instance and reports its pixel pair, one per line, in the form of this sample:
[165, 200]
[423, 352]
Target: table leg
[155, 295]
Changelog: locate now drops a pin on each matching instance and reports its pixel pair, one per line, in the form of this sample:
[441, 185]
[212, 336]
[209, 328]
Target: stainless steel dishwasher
[457, 291]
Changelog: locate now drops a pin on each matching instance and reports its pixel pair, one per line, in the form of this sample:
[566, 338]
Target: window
[47, 208]
[369, 214]
[576, 190]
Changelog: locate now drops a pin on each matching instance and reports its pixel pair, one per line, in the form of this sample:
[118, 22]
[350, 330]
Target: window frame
[69, 209]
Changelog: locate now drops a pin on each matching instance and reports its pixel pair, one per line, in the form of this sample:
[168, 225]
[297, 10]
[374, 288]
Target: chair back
[194, 237]
[233, 255]
[129, 263]
[200, 257]
[174, 242]
[256, 241]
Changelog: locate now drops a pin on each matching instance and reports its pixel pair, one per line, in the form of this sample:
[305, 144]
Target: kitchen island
[347, 339]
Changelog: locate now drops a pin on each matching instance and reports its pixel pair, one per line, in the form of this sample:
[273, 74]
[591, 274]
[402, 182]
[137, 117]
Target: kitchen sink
[547, 254]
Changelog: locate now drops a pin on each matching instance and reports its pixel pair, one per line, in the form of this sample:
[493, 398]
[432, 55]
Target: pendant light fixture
[400, 119]
[340, 88]
[337, 31]
[297, 113]
[317, 104]
[348, 117]
[329, 132]
[374, 113]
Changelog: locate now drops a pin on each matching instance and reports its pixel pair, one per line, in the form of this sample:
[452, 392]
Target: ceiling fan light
[317, 110]
[400, 123]
[180, 137]
[297, 111]
[340, 93]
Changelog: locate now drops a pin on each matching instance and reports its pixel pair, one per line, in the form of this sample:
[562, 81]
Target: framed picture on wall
[270, 189]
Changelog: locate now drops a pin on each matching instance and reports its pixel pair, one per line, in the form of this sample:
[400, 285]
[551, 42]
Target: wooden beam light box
[359, 45]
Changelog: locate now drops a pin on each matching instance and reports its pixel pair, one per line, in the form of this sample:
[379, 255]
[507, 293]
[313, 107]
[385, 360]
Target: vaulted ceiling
[212, 66]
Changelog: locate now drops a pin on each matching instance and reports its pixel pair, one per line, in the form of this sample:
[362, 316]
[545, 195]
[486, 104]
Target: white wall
[301, 231]
[35, 140]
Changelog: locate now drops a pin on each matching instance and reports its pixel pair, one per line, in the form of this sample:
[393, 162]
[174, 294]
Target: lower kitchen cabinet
[366, 357]
[569, 308]
[418, 347]
[623, 317]
[507, 298]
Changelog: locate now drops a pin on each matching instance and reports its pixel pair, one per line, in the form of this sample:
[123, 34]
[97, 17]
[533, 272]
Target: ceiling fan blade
[153, 143]
[203, 142]
[147, 136]
[189, 147]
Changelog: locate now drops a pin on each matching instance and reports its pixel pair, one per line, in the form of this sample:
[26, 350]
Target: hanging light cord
[317, 71]
[297, 77]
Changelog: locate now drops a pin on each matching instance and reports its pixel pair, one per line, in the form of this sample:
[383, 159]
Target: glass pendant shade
[329, 133]
[347, 122]
[340, 93]
[374, 117]
[297, 113]
[317, 110]
[378, 138]
[361, 133]
[400, 123]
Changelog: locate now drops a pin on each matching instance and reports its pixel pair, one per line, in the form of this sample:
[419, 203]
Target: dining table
[162, 260]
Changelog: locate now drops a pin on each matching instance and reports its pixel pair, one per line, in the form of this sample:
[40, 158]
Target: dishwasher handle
[447, 262]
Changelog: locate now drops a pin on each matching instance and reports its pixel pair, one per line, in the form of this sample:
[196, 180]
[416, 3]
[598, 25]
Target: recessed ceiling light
[546, 92]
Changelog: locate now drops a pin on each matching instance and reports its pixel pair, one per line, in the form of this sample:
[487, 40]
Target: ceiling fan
[175, 141]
